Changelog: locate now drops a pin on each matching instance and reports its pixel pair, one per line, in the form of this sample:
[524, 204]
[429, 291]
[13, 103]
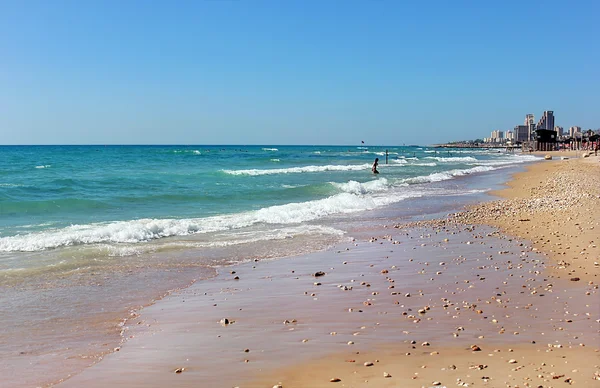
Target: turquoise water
[60, 196]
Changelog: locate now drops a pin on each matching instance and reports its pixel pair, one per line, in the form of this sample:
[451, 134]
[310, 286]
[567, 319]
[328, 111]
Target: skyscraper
[521, 133]
[497, 135]
[547, 121]
[574, 130]
[530, 125]
[529, 119]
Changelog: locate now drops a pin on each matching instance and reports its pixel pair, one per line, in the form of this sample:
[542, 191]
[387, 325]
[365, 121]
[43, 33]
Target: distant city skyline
[293, 72]
[526, 131]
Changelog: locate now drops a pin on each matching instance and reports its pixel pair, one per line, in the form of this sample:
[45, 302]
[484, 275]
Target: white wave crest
[135, 231]
[270, 149]
[452, 159]
[432, 164]
[527, 158]
[354, 187]
[230, 239]
[44, 166]
[506, 160]
[446, 175]
[294, 170]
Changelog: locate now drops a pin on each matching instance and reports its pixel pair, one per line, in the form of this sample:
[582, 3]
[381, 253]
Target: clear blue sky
[292, 72]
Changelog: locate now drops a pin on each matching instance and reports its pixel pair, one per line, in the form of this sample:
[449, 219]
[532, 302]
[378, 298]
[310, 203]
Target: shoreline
[271, 371]
[553, 204]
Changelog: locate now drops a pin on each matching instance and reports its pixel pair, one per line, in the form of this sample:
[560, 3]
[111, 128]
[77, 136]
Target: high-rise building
[529, 119]
[497, 136]
[559, 130]
[573, 131]
[547, 121]
[509, 135]
[530, 124]
[521, 133]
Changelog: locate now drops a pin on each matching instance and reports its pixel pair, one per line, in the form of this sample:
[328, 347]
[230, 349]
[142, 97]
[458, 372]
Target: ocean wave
[432, 164]
[353, 187]
[44, 166]
[446, 175]
[195, 152]
[248, 238]
[506, 160]
[295, 170]
[275, 160]
[379, 153]
[527, 158]
[143, 230]
[270, 149]
[399, 161]
[457, 159]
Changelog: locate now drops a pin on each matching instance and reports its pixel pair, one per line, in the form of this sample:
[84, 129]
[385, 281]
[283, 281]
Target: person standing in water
[374, 168]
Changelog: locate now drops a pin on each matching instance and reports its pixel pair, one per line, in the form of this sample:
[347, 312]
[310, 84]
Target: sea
[91, 234]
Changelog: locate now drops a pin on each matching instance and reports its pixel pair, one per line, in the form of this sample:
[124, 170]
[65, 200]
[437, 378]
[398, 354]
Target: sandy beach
[504, 294]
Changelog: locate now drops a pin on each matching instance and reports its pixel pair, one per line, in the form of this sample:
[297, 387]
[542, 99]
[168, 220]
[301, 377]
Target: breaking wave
[296, 170]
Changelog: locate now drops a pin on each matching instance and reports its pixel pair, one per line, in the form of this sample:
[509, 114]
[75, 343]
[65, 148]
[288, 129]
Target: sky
[386, 72]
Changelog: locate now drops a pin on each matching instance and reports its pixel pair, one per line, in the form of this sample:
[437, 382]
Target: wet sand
[425, 304]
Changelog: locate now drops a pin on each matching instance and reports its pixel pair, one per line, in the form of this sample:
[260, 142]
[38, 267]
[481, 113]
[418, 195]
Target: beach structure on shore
[545, 140]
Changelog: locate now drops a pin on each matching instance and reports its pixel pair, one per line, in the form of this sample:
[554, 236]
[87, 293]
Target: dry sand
[450, 302]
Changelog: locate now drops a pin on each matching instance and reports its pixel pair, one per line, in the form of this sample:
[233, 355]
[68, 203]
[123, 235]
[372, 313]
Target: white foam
[379, 153]
[432, 164]
[303, 169]
[257, 236]
[229, 238]
[353, 187]
[142, 230]
[446, 175]
[275, 160]
[270, 149]
[452, 159]
[506, 159]
[44, 166]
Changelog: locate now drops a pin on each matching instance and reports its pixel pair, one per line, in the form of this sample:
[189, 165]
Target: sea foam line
[355, 197]
[303, 169]
[135, 231]
[457, 159]
[446, 175]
